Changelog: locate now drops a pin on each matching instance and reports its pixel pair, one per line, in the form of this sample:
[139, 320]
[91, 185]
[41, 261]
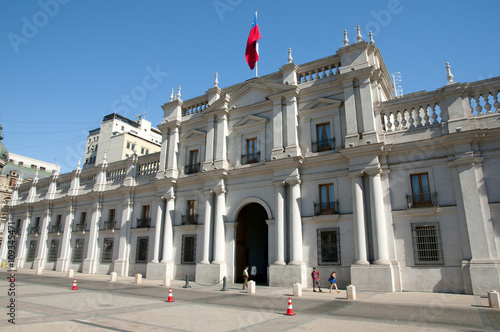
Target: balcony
[191, 219]
[108, 225]
[55, 229]
[34, 230]
[326, 208]
[421, 200]
[80, 227]
[143, 223]
[323, 145]
[250, 158]
[193, 168]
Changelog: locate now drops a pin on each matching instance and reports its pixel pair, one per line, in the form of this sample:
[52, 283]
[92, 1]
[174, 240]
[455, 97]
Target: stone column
[168, 231]
[296, 223]
[350, 113]
[219, 238]
[42, 243]
[207, 225]
[158, 205]
[292, 124]
[209, 145]
[89, 263]
[358, 216]
[122, 262]
[63, 260]
[277, 150]
[377, 204]
[173, 146]
[21, 251]
[368, 118]
[280, 224]
[221, 143]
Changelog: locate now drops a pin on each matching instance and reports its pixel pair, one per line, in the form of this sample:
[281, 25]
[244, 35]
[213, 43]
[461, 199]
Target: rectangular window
[107, 250]
[12, 182]
[421, 193]
[324, 140]
[252, 154]
[327, 203]
[427, 249]
[192, 166]
[141, 253]
[78, 253]
[191, 212]
[31, 251]
[53, 250]
[188, 255]
[328, 246]
[83, 218]
[111, 219]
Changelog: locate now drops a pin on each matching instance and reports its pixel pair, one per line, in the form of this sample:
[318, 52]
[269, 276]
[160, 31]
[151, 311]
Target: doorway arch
[252, 242]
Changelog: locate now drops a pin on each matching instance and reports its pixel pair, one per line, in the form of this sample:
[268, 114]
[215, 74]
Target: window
[12, 182]
[325, 142]
[128, 145]
[252, 154]
[421, 194]
[327, 204]
[57, 227]
[81, 226]
[427, 248]
[188, 255]
[53, 250]
[328, 246]
[78, 253]
[191, 216]
[31, 251]
[193, 166]
[107, 250]
[141, 254]
[144, 221]
[110, 224]
[43, 169]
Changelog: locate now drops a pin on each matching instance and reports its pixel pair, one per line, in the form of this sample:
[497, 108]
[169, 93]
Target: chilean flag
[252, 51]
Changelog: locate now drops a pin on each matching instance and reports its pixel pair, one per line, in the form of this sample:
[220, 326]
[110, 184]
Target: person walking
[333, 282]
[315, 277]
[245, 277]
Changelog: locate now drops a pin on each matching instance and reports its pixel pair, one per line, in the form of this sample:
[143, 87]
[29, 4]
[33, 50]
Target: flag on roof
[252, 50]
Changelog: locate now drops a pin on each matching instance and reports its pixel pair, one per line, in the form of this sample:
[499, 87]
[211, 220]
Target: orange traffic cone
[74, 285]
[170, 297]
[290, 312]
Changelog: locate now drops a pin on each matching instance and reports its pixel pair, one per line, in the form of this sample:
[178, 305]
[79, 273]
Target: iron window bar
[251, 158]
[326, 208]
[192, 168]
[421, 200]
[323, 145]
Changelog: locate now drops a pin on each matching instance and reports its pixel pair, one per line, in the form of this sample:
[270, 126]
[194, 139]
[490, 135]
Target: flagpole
[257, 63]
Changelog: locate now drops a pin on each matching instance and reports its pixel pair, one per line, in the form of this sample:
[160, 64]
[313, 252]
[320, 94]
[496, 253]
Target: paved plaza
[47, 303]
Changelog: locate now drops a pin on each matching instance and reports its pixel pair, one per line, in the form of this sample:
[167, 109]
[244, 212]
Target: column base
[157, 271]
[19, 263]
[62, 264]
[287, 275]
[121, 267]
[210, 273]
[376, 278]
[89, 266]
[38, 262]
[484, 277]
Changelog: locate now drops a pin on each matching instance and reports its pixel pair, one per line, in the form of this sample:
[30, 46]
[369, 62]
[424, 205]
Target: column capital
[167, 197]
[219, 190]
[279, 184]
[373, 170]
[293, 181]
[355, 173]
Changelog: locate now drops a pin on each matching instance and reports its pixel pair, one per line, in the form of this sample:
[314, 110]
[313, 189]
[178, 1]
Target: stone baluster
[396, 120]
[403, 119]
[426, 116]
[434, 116]
[479, 108]
[418, 119]
[337, 71]
[411, 120]
[487, 105]
[346, 41]
[388, 124]
[497, 102]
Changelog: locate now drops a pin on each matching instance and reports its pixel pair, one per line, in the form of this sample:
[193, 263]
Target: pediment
[322, 103]
[254, 92]
[193, 134]
[250, 121]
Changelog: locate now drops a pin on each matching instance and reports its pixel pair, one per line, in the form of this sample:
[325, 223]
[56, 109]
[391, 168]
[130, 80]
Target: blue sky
[66, 63]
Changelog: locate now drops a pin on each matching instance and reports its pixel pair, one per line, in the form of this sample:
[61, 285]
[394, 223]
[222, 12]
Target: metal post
[224, 285]
[187, 282]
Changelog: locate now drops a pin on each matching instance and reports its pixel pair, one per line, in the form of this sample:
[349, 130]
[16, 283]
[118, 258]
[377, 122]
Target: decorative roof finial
[290, 59]
[36, 175]
[172, 94]
[179, 93]
[216, 79]
[372, 42]
[346, 41]
[449, 76]
[359, 38]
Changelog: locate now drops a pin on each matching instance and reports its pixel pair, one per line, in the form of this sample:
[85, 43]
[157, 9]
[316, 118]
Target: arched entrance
[252, 242]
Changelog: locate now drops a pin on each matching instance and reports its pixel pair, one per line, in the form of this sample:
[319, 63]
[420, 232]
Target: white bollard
[112, 276]
[493, 299]
[351, 292]
[138, 278]
[166, 281]
[297, 289]
[70, 273]
[39, 270]
[251, 287]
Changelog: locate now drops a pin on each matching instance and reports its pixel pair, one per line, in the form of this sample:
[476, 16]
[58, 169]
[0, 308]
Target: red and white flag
[252, 51]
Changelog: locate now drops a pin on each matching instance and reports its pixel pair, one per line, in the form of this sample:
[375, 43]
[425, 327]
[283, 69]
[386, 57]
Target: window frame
[191, 259]
[53, 250]
[107, 252]
[138, 251]
[78, 251]
[427, 252]
[30, 257]
[336, 248]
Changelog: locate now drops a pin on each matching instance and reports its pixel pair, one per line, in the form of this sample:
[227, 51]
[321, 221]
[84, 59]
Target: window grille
[427, 248]
[188, 255]
[31, 251]
[329, 246]
[78, 253]
[107, 250]
[53, 251]
[141, 253]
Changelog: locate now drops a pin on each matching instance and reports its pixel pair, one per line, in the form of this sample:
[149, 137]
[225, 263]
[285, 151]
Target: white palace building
[314, 165]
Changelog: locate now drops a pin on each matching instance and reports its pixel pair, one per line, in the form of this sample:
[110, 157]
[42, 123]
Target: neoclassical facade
[315, 165]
